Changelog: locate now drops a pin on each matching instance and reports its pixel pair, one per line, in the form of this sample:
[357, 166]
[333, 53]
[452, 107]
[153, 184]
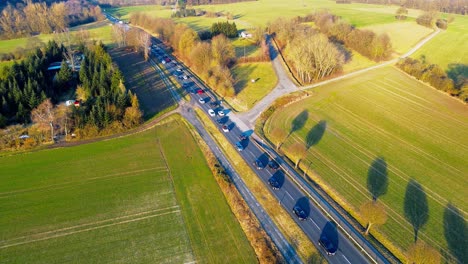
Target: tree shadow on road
[416, 207]
[316, 133]
[377, 178]
[455, 232]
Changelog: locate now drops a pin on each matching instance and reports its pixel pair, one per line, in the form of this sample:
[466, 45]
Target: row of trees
[310, 52]
[374, 46]
[436, 77]
[166, 2]
[210, 60]
[450, 6]
[226, 28]
[36, 18]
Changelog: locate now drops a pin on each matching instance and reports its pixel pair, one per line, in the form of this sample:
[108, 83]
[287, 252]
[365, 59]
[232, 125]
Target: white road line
[346, 259]
[289, 195]
[312, 220]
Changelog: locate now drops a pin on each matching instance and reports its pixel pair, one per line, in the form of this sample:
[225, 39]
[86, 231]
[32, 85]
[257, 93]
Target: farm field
[385, 116]
[153, 95]
[117, 201]
[404, 35]
[248, 92]
[448, 47]
[99, 31]
[260, 12]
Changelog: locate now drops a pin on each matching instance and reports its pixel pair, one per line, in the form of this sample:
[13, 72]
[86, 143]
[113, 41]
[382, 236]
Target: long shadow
[455, 232]
[458, 73]
[272, 50]
[331, 233]
[303, 202]
[241, 81]
[316, 133]
[377, 178]
[299, 122]
[416, 207]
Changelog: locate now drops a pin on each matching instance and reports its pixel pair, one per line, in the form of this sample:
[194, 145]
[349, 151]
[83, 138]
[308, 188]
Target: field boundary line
[91, 223]
[111, 176]
[88, 229]
[161, 150]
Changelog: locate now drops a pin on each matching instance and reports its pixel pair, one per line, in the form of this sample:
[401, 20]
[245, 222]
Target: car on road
[330, 249]
[242, 137]
[239, 146]
[274, 183]
[211, 112]
[258, 164]
[221, 112]
[299, 212]
[201, 100]
[225, 128]
[200, 91]
[179, 69]
[214, 103]
[185, 77]
[272, 164]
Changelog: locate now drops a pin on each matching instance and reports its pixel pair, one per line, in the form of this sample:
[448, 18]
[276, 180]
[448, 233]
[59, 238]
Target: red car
[200, 91]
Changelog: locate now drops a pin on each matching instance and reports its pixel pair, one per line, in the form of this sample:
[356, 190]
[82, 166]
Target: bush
[442, 23]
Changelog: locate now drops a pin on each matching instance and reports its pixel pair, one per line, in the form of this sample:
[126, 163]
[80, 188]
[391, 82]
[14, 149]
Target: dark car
[299, 213]
[258, 163]
[214, 103]
[239, 146]
[274, 183]
[272, 164]
[327, 245]
[242, 137]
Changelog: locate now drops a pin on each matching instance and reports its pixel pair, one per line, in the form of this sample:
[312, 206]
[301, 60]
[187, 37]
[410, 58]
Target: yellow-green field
[248, 92]
[126, 200]
[404, 35]
[420, 132]
[450, 46]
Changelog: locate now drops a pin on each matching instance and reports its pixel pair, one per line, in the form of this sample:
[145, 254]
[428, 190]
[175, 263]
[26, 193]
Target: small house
[245, 34]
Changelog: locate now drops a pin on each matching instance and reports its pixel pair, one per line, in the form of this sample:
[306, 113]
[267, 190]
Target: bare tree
[44, 115]
[373, 213]
[297, 151]
[278, 136]
[144, 41]
[119, 35]
[421, 252]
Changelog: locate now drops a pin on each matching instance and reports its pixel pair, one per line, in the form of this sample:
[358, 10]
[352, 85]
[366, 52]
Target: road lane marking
[346, 259]
[312, 220]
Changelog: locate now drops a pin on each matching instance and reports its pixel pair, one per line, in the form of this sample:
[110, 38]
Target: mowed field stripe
[83, 181]
[47, 236]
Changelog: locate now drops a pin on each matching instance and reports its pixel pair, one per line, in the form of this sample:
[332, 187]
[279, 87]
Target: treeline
[457, 7]
[104, 101]
[29, 92]
[24, 85]
[34, 18]
[436, 77]
[167, 2]
[373, 46]
[210, 60]
[310, 52]
[226, 28]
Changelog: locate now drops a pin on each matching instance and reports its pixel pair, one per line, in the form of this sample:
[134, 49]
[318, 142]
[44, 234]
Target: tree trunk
[51, 131]
[368, 228]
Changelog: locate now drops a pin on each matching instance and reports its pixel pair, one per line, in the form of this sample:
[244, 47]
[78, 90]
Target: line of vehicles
[268, 169]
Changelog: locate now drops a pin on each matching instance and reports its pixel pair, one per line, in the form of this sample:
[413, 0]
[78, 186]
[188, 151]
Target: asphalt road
[317, 224]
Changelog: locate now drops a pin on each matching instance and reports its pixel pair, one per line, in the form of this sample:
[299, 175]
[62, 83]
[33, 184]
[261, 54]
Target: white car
[185, 77]
[211, 112]
[221, 112]
[225, 128]
[201, 100]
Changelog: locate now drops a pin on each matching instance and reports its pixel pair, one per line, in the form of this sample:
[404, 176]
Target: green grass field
[418, 131]
[117, 201]
[260, 12]
[449, 46]
[404, 35]
[248, 92]
[99, 31]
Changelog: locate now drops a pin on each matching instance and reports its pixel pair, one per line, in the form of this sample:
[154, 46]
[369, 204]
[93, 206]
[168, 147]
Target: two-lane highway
[289, 195]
